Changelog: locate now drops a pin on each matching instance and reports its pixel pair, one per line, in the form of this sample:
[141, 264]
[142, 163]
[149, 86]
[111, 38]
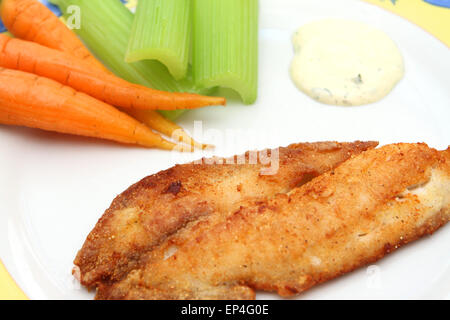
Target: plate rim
[403, 9]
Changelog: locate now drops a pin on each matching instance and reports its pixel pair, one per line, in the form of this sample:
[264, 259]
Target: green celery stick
[105, 29]
[225, 45]
[162, 31]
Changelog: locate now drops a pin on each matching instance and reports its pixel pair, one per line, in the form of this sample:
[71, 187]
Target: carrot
[32, 101]
[157, 122]
[60, 66]
[33, 21]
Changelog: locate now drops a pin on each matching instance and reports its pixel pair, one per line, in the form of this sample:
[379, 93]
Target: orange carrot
[29, 100]
[33, 21]
[53, 33]
[62, 67]
[157, 122]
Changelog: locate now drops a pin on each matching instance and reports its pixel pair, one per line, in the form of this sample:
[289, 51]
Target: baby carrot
[33, 21]
[157, 122]
[32, 101]
[62, 67]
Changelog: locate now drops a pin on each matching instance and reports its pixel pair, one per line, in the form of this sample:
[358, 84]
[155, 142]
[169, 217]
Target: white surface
[54, 188]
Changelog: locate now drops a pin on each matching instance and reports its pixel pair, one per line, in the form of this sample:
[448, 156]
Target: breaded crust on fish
[344, 219]
[160, 205]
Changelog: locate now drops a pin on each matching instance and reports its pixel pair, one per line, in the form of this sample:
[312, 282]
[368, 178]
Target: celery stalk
[225, 45]
[105, 29]
[162, 31]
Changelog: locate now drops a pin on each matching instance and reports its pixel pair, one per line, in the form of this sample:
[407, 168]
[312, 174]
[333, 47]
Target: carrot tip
[165, 145]
[217, 101]
[198, 145]
[207, 146]
[183, 148]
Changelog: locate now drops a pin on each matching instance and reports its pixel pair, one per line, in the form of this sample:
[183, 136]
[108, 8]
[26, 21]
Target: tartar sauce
[346, 63]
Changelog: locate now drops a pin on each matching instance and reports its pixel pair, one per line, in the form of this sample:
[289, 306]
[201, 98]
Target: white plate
[54, 188]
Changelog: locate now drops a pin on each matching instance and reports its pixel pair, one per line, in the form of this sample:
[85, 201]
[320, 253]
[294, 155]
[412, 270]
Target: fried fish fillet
[354, 215]
[162, 204]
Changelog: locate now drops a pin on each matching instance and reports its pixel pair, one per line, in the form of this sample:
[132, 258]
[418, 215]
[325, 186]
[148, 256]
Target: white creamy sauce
[347, 63]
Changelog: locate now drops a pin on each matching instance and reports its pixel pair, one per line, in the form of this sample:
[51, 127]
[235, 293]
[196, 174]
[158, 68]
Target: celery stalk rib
[162, 31]
[225, 45]
[105, 29]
